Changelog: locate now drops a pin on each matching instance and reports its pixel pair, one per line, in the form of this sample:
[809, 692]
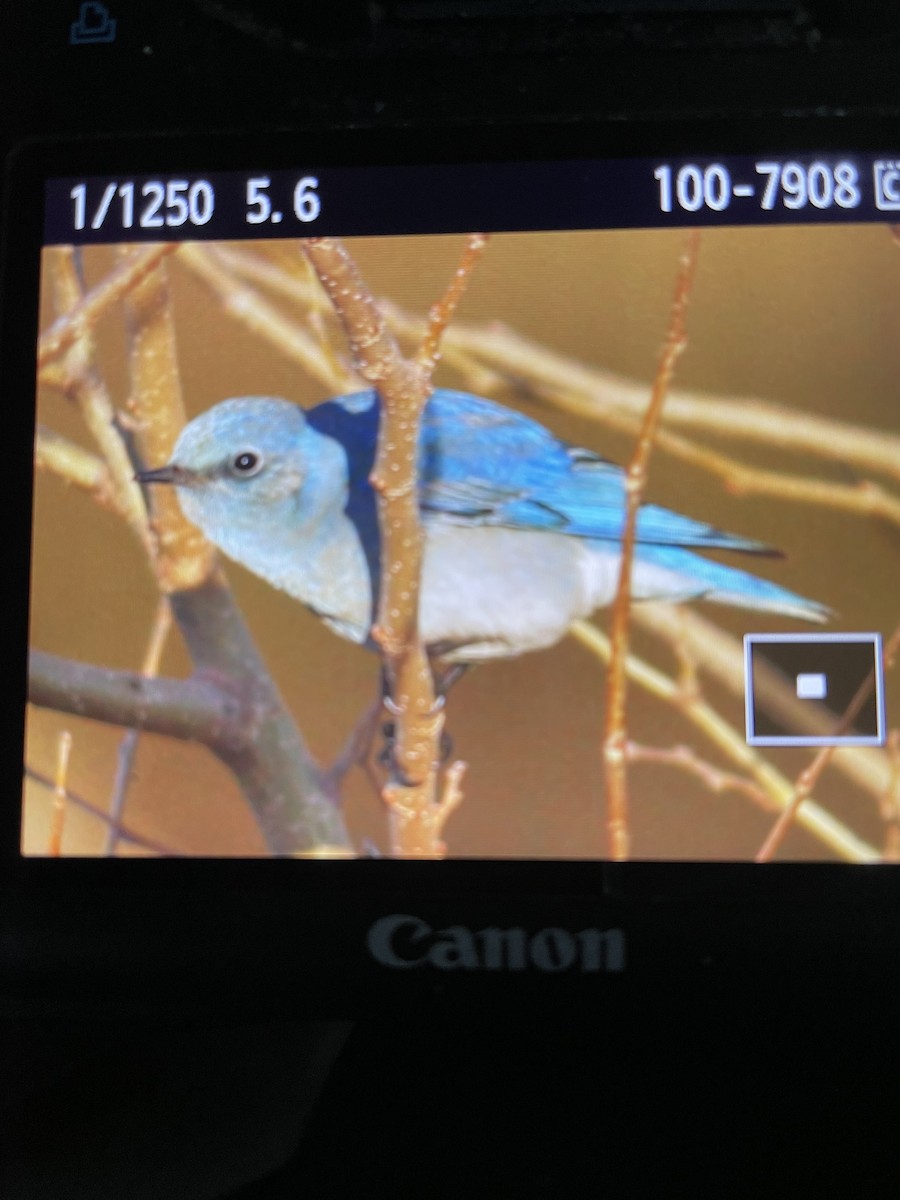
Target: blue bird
[522, 532]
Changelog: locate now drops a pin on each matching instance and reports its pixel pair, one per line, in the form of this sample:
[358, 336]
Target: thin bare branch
[77, 466]
[865, 499]
[88, 391]
[63, 750]
[125, 832]
[442, 312]
[260, 316]
[831, 832]
[79, 320]
[356, 749]
[595, 393]
[494, 356]
[720, 656]
[890, 801]
[684, 758]
[616, 733]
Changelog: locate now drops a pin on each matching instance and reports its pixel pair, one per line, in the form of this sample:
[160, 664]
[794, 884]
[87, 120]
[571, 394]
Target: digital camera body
[203, 820]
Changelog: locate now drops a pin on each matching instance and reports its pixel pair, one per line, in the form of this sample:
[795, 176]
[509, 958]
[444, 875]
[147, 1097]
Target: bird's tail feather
[704, 579]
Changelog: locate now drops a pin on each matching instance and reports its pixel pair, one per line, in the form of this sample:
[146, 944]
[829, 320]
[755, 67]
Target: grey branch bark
[190, 709]
[230, 705]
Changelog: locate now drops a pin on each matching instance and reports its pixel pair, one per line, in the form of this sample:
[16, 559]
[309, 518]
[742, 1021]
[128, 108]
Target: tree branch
[592, 392]
[821, 824]
[417, 813]
[721, 657]
[182, 558]
[261, 317]
[75, 465]
[230, 705]
[124, 832]
[87, 389]
[195, 710]
[80, 319]
[616, 733]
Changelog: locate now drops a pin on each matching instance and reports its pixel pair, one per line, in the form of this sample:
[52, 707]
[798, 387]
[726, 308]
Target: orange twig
[58, 818]
[712, 777]
[441, 314]
[615, 734]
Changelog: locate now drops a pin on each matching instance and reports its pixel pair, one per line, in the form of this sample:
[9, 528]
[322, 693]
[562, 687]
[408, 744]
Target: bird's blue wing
[488, 465]
[483, 464]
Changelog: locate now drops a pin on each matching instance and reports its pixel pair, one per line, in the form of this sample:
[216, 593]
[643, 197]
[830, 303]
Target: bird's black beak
[167, 474]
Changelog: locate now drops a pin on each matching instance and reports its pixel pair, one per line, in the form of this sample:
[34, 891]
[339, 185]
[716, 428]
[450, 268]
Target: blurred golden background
[804, 317]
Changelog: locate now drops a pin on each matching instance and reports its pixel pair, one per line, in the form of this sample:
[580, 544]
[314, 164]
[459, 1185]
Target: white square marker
[812, 686]
[819, 667]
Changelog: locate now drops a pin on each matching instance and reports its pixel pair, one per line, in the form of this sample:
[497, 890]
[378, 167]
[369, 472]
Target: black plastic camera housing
[202, 88]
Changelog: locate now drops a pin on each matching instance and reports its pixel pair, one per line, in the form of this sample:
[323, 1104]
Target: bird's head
[236, 462]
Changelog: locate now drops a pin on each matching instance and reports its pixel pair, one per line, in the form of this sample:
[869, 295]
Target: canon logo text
[405, 942]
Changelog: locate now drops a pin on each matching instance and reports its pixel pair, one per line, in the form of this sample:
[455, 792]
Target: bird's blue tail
[707, 580]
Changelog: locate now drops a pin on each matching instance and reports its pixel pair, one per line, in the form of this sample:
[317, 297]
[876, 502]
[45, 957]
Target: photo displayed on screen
[207, 568]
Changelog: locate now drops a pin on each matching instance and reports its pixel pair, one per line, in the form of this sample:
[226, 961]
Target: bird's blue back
[483, 464]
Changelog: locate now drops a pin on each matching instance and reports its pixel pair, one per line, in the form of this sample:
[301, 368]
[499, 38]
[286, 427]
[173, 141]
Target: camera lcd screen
[206, 559]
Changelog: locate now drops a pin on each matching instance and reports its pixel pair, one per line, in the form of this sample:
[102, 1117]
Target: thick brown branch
[290, 797]
[159, 632]
[242, 719]
[192, 709]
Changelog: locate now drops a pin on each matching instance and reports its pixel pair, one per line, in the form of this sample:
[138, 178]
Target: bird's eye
[246, 463]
